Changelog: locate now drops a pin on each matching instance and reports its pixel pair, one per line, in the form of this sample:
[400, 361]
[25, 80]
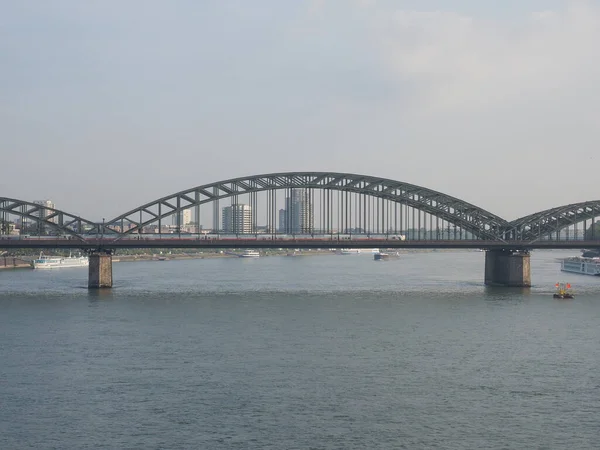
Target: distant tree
[593, 232]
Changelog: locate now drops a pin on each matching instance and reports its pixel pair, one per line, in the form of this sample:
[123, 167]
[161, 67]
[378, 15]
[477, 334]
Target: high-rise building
[43, 214]
[298, 215]
[237, 219]
[282, 221]
[185, 217]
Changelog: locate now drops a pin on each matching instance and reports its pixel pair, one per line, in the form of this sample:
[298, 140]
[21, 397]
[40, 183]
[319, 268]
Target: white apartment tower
[43, 213]
[237, 219]
[185, 217]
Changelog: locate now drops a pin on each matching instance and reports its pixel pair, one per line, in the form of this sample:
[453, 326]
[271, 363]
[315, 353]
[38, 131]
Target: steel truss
[543, 224]
[479, 222]
[56, 221]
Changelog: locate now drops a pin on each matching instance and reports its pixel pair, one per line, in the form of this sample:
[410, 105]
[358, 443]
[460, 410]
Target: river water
[319, 352]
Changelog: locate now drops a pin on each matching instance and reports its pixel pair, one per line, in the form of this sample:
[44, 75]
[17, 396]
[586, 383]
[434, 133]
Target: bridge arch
[473, 219]
[58, 221]
[544, 224]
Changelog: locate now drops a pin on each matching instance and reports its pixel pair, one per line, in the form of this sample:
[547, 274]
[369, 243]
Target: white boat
[349, 251]
[381, 256]
[57, 262]
[384, 256]
[250, 254]
[581, 265]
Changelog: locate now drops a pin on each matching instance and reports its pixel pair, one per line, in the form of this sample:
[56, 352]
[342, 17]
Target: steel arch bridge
[466, 216]
[359, 202]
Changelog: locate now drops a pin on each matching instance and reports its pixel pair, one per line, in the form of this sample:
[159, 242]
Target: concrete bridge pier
[100, 270]
[507, 268]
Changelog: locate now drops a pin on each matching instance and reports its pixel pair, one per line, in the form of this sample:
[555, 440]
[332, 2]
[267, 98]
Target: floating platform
[566, 295]
[563, 290]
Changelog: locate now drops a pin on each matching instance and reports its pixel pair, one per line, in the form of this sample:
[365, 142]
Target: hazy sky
[105, 105]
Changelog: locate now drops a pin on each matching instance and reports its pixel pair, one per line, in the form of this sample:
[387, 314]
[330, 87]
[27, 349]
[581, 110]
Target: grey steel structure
[47, 220]
[549, 223]
[341, 202]
[329, 192]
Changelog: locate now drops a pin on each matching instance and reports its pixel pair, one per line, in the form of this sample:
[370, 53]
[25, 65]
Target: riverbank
[10, 262]
[16, 262]
[167, 257]
[184, 256]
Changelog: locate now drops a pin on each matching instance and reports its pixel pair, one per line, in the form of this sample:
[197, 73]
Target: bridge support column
[507, 268]
[100, 270]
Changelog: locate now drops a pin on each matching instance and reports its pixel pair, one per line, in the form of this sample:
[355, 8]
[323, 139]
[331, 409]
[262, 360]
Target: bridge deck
[305, 243]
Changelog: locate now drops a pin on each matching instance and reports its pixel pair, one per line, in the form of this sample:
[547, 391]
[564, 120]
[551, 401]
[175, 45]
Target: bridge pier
[100, 270]
[509, 268]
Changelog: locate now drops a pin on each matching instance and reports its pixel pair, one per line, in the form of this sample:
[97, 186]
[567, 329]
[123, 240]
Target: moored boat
[349, 251]
[590, 253]
[381, 256]
[250, 254]
[581, 265]
[57, 262]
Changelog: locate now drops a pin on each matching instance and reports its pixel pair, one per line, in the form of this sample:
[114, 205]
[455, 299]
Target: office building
[282, 221]
[298, 217]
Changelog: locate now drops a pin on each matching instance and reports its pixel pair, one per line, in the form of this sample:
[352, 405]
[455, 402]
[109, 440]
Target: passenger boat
[57, 262]
[381, 256]
[349, 251]
[581, 265]
[563, 290]
[250, 254]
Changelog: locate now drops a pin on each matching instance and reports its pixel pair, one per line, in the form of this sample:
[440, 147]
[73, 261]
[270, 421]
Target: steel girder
[58, 221]
[471, 218]
[543, 223]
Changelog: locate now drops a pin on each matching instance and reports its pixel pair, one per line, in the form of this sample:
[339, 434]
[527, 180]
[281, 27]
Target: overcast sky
[105, 105]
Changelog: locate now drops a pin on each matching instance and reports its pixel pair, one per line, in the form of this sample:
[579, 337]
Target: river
[309, 352]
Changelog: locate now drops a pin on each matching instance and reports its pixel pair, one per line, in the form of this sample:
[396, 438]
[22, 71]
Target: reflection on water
[95, 295]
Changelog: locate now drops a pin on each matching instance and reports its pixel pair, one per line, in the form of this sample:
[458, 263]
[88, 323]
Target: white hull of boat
[581, 265]
[250, 254]
[349, 251]
[59, 262]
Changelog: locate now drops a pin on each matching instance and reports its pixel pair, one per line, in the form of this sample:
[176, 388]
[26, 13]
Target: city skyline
[490, 103]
